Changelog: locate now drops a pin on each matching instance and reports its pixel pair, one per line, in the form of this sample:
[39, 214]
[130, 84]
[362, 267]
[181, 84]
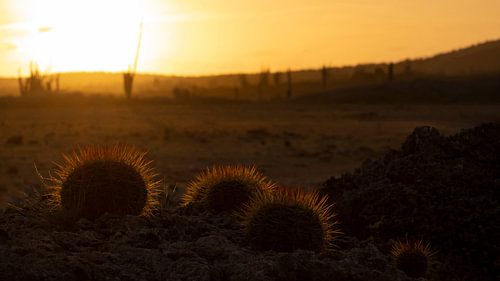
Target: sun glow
[83, 35]
[187, 37]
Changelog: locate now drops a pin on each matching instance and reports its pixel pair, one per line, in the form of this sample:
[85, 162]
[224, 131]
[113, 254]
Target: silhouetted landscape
[465, 75]
[384, 171]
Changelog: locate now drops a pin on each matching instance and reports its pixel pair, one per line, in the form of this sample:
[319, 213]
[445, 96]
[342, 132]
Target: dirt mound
[445, 190]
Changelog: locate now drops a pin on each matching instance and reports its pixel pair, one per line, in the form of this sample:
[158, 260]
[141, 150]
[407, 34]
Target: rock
[420, 138]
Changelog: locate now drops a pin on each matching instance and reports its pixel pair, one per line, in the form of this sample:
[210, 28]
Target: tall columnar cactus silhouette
[277, 78]
[128, 77]
[263, 82]
[128, 81]
[325, 73]
[289, 90]
[390, 71]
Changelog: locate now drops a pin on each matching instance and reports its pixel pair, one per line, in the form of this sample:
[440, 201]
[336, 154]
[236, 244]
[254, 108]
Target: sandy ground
[294, 144]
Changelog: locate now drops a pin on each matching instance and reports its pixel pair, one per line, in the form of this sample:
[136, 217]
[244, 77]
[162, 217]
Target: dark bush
[15, 140]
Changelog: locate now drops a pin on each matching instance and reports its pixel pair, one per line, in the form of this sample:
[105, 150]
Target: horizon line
[232, 73]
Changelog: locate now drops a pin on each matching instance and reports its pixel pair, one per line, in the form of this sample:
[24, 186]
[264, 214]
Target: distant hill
[479, 59]
[481, 89]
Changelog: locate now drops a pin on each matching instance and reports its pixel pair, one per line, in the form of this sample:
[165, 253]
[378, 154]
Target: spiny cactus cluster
[118, 179]
[94, 180]
[413, 258]
[282, 220]
[226, 189]
[288, 221]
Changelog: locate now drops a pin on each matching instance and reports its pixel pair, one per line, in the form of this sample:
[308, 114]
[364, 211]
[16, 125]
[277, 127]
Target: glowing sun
[86, 35]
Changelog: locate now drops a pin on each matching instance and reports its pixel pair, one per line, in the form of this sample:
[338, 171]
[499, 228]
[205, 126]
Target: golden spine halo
[203, 184]
[119, 153]
[295, 197]
[418, 246]
[414, 258]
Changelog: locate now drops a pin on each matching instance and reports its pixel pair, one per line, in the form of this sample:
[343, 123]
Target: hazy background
[226, 36]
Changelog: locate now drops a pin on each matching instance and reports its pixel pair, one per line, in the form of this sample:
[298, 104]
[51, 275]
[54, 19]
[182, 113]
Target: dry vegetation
[295, 144]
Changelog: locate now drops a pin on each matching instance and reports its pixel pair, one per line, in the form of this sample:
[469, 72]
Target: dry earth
[295, 144]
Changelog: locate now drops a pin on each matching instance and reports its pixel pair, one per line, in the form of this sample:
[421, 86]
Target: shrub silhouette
[37, 83]
[94, 180]
[412, 258]
[226, 188]
[288, 221]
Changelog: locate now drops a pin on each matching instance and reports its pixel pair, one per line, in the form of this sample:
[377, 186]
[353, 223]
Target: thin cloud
[44, 29]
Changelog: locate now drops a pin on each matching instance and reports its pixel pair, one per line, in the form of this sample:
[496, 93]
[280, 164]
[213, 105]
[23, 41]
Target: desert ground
[294, 143]
[434, 184]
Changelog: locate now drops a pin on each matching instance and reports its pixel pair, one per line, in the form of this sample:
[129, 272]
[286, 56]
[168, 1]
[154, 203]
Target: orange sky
[222, 36]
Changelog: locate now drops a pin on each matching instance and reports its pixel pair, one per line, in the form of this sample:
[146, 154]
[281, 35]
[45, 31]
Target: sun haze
[222, 36]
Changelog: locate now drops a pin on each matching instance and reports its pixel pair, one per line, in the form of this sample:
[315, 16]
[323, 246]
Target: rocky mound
[445, 190]
[181, 244]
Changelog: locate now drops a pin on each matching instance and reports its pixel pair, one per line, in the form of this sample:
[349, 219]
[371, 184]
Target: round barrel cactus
[225, 189]
[413, 258]
[288, 221]
[94, 180]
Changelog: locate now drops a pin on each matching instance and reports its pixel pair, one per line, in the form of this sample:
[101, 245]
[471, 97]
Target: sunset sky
[190, 37]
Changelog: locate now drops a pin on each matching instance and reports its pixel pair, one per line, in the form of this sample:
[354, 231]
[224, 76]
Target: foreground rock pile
[185, 244]
[444, 190]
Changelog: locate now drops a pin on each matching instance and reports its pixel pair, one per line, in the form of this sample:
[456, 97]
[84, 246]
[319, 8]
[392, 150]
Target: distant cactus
[263, 82]
[277, 78]
[94, 180]
[243, 81]
[37, 83]
[128, 82]
[226, 188]
[325, 73]
[408, 70]
[128, 77]
[390, 71]
[413, 258]
[288, 221]
[289, 90]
